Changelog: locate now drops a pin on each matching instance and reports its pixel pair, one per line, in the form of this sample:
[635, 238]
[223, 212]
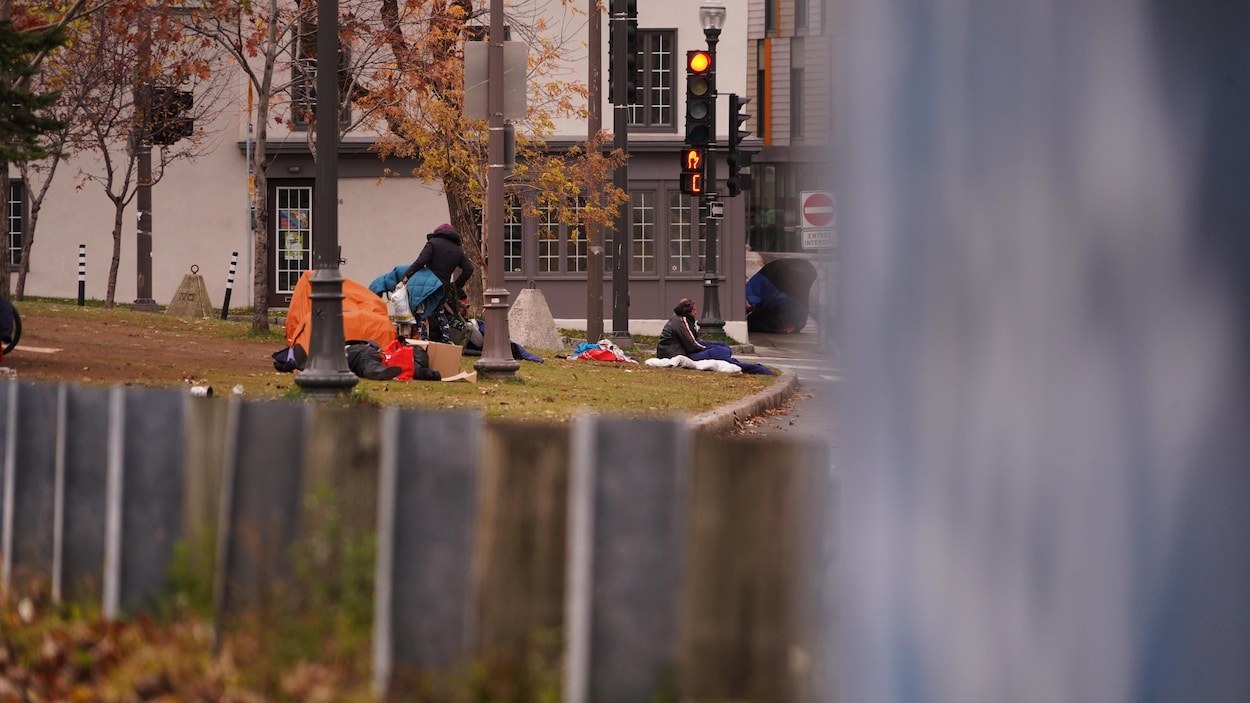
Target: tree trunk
[260, 232]
[28, 241]
[471, 239]
[119, 207]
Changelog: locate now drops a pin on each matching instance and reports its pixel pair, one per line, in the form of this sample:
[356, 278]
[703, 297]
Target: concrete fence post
[758, 564]
[81, 479]
[424, 608]
[627, 526]
[145, 485]
[30, 478]
[262, 490]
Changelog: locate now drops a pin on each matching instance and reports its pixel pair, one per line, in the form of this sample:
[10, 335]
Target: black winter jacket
[443, 255]
[680, 337]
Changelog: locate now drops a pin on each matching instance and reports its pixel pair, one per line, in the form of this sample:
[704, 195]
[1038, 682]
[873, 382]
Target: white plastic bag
[397, 306]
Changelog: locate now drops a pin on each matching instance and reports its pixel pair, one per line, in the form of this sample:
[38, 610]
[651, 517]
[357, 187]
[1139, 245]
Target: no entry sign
[817, 209]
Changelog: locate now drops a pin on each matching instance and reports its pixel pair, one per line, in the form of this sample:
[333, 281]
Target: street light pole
[622, 236]
[712, 17]
[143, 165]
[496, 349]
[327, 372]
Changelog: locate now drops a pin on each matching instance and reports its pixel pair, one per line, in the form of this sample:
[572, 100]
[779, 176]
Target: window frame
[17, 196]
[651, 82]
[689, 204]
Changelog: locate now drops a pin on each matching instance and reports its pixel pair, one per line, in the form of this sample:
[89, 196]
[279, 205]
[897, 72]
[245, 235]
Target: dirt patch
[146, 349]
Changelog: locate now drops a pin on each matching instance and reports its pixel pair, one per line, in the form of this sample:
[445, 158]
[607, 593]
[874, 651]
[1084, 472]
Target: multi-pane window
[17, 219]
[548, 240]
[512, 228]
[578, 244]
[293, 254]
[643, 204]
[681, 232]
[652, 102]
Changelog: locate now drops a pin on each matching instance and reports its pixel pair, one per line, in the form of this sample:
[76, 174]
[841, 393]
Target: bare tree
[47, 18]
[131, 53]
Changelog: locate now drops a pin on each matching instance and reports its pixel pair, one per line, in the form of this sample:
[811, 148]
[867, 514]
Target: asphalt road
[810, 415]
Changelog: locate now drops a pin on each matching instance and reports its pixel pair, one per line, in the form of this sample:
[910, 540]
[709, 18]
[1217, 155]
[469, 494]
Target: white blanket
[686, 362]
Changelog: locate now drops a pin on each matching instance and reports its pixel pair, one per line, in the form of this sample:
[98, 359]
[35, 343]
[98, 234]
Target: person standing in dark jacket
[680, 337]
[443, 254]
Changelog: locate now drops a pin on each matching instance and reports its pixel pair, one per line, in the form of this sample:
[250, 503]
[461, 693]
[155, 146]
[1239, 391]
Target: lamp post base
[145, 305]
[712, 324]
[624, 340]
[496, 357]
[327, 373]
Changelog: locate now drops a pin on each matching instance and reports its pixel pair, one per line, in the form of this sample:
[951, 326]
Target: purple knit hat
[684, 307]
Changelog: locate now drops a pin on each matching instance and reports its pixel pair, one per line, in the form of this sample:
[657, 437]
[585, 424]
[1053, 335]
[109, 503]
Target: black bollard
[225, 303]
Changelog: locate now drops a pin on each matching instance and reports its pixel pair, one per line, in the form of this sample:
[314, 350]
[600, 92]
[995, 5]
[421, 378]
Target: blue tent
[778, 295]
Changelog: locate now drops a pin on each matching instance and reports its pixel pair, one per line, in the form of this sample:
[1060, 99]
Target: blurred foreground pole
[1047, 326]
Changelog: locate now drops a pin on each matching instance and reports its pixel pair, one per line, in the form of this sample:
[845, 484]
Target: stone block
[530, 323]
[191, 299]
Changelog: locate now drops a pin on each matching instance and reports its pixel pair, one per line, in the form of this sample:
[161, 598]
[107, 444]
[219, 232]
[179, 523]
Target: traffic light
[738, 180]
[700, 98]
[624, 11]
[168, 121]
[692, 171]
[631, 50]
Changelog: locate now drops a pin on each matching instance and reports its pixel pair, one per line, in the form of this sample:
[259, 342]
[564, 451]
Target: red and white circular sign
[817, 209]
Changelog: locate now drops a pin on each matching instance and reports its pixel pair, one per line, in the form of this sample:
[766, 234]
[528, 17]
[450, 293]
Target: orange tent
[364, 314]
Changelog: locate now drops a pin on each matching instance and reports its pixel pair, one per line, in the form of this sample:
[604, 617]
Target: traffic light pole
[711, 321]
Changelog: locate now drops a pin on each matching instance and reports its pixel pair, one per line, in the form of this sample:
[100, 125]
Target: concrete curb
[726, 418]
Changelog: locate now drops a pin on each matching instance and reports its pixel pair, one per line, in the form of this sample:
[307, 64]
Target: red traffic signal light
[700, 97]
[698, 62]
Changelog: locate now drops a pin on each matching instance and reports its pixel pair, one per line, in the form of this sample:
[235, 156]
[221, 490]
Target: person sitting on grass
[680, 337]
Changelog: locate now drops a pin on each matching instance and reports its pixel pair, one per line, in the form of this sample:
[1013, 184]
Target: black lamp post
[327, 373]
[496, 356]
[712, 17]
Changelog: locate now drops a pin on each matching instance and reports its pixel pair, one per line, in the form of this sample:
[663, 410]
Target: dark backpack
[289, 359]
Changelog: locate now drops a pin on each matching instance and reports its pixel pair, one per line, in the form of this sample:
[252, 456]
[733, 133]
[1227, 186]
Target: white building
[201, 208]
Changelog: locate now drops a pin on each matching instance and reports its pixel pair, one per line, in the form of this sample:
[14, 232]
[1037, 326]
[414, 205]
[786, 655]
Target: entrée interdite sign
[816, 208]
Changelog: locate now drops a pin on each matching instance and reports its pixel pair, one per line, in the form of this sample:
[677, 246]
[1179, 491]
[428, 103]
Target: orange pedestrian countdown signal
[692, 183]
[692, 171]
[692, 160]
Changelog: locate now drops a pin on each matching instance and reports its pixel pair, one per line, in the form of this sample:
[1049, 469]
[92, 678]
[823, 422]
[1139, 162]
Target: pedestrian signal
[692, 171]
